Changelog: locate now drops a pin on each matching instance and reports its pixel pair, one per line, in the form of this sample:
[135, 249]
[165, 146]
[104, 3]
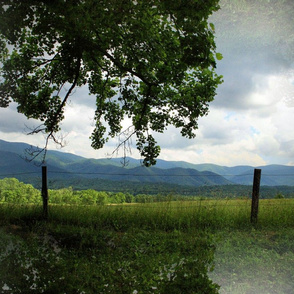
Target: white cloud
[260, 135]
[229, 155]
[12, 121]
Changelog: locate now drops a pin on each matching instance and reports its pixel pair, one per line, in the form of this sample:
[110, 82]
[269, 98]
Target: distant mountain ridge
[65, 166]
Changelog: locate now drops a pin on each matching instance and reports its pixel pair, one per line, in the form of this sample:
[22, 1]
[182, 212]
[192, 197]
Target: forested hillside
[66, 170]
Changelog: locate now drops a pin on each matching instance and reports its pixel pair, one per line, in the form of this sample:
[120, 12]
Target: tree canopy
[151, 61]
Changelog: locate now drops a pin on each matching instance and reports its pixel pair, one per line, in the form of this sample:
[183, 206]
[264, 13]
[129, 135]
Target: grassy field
[171, 247]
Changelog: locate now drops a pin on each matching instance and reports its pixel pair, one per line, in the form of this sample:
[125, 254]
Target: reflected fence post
[255, 195]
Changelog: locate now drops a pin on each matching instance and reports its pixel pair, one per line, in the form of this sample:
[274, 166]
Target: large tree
[152, 61]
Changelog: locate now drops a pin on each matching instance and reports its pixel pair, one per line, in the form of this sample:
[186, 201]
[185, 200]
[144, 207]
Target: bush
[279, 196]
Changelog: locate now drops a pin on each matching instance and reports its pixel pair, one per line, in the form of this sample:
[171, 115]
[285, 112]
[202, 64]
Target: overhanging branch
[50, 130]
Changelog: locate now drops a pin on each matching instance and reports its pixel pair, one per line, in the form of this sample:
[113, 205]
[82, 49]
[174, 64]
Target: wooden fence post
[45, 192]
[255, 195]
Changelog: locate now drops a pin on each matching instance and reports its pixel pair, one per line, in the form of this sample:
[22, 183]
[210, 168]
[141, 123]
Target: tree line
[14, 191]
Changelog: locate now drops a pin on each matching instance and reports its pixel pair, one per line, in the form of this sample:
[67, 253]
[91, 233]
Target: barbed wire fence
[252, 191]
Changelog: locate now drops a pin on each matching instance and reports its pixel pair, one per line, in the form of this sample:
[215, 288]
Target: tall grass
[178, 215]
[19, 212]
[276, 213]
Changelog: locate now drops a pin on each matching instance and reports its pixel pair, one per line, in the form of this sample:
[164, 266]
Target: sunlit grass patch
[276, 212]
[179, 215]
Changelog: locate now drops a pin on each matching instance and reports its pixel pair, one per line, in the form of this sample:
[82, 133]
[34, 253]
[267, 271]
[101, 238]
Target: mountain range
[68, 169]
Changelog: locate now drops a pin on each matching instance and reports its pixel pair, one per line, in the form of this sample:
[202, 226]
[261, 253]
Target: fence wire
[207, 190]
[146, 175]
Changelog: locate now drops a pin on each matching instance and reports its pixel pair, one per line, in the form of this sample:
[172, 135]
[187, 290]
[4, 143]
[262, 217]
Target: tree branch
[128, 133]
[50, 130]
[121, 66]
[61, 106]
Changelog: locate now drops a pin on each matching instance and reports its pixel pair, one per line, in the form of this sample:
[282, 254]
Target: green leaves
[218, 56]
[151, 61]
[147, 148]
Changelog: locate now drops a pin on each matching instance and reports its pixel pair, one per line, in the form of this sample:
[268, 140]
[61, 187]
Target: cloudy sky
[251, 120]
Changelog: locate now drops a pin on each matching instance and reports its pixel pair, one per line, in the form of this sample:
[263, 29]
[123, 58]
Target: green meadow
[200, 246]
